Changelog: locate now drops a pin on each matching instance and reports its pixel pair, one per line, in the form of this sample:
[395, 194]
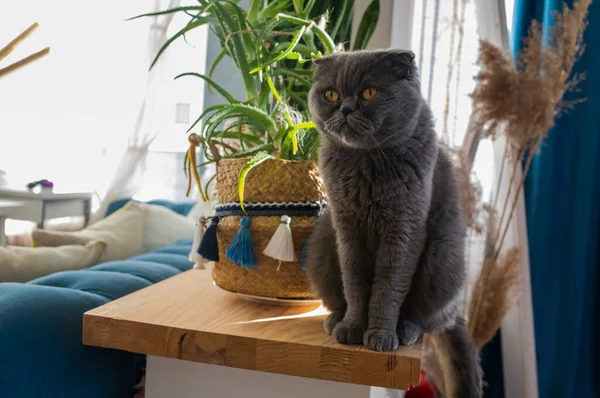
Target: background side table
[7, 208]
[38, 207]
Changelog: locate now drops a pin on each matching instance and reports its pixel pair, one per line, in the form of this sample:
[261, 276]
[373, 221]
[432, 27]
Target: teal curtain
[562, 198]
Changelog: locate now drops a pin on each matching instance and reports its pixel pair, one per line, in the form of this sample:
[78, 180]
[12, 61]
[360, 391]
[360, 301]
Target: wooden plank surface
[186, 317]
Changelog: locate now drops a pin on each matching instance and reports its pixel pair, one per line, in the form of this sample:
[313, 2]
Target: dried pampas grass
[470, 195]
[496, 290]
[521, 100]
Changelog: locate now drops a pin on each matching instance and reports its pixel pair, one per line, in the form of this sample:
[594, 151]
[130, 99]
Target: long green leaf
[308, 8]
[258, 115]
[237, 135]
[252, 151]
[321, 34]
[206, 112]
[367, 26]
[252, 163]
[298, 6]
[274, 8]
[304, 125]
[169, 11]
[293, 73]
[210, 180]
[244, 29]
[185, 160]
[283, 54]
[340, 19]
[192, 25]
[253, 10]
[219, 58]
[214, 84]
[239, 55]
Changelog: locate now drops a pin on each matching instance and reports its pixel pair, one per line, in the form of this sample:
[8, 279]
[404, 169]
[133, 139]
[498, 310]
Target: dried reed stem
[500, 175]
[6, 50]
[454, 23]
[25, 61]
[514, 204]
[515, 168]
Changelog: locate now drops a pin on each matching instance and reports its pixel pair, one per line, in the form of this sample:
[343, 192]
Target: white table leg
[184, 379]
[2, 234]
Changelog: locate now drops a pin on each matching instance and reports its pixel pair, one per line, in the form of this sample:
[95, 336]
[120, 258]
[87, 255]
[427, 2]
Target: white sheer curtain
[129, 174]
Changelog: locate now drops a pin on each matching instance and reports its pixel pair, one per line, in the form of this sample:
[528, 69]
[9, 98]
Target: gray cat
[387, 257]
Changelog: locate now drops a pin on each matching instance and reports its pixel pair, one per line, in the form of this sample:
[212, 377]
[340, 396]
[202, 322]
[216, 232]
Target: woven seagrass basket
[269, 185]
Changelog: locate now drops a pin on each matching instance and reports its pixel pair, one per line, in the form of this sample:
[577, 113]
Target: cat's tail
[456, 362]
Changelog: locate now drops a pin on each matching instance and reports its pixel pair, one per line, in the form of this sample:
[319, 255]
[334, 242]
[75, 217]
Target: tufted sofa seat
[41, 350]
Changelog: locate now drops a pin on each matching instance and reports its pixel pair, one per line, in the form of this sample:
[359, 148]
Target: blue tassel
[241, 250]
[209, 246]
[302, 257]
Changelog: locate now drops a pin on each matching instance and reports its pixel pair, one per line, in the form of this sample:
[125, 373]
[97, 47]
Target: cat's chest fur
[368, 188]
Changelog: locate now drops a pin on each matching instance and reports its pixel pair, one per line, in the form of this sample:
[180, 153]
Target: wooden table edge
[318, 362]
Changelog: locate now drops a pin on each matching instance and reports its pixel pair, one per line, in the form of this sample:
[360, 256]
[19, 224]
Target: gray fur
[387, 257]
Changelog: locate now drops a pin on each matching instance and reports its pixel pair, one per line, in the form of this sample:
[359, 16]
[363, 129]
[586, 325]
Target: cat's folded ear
[400, 62]
[324, 61]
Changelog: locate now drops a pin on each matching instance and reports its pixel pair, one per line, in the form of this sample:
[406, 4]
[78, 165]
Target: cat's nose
[346, 110]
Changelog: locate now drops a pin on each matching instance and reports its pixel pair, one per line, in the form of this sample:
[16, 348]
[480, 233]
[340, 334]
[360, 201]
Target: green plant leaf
[238, 52]
[185, 159]
[305, 125]
[367, 26]
[252, 151]
[204, 113]
[244, 29]
[308, 8]
[341, 18]
[283, 54]
[298, 6]
[259, 158]
[214, 84]
[259, 116]
[321, 34]
[219, 58]
[274, 8]
[235, 135]
[254, 9]
[199, 21]
[169, 11]
[286, 112]
[210, 180]
[293, 73]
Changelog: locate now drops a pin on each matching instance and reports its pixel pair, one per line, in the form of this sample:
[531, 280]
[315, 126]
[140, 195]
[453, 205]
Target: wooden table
[7, 209]
[38, 207]
[185, 322]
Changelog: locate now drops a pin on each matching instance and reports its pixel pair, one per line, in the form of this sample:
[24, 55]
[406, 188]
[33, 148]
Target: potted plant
[265, 145]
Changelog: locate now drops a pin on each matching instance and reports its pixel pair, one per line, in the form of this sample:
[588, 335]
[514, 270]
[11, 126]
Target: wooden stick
[24, 61]
[11, 46]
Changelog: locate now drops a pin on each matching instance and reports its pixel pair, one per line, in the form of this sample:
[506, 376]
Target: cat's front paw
[409, 333]
[331, 321]
[346, 333]
[380, 340]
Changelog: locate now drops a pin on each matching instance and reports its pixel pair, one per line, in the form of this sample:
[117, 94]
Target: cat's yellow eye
[369, 93]
[332, 95]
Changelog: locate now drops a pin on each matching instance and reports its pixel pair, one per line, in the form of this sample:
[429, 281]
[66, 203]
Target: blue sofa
[41, 350]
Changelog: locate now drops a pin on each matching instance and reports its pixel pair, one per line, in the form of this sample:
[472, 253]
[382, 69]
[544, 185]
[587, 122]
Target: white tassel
[281, 245]
[194, 256]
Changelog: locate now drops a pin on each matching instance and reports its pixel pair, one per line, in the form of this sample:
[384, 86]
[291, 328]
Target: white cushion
[164, 227]
[122, 231]
[201, 209]
[136, 228]
[22, 264]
